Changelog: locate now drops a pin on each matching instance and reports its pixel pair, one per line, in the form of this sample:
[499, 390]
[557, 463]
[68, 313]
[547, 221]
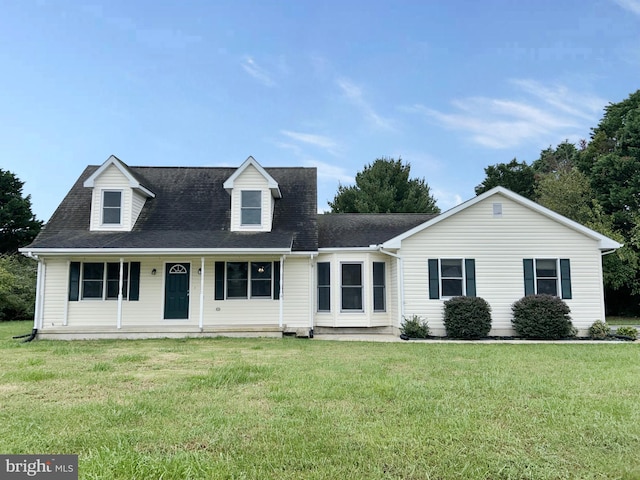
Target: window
[100, 280]
[262, 277]
[352, 286]
[111, 207]
[547, 276]
[113, 279]
[92, 280]
[379, 287]
[452, 277]
[324, 286]
[237, 279]
[251, 209]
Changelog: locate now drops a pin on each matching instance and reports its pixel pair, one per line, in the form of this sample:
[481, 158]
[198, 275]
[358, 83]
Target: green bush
[543, 317]
[467, 317]
[599, 330]
[414, 327]
[17, 287]
[627, 331]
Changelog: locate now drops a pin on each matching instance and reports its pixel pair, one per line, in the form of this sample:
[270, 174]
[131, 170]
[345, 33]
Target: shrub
[467, 317]
[17, 287]
[627, 331]
[542, 316]
[599, 330]
[414, 327]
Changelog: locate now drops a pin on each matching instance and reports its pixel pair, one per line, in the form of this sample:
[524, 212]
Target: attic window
[111, 207]
[251, 209]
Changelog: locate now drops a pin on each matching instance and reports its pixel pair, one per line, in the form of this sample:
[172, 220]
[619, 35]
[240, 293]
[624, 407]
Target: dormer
[253, 193]
[117, 198]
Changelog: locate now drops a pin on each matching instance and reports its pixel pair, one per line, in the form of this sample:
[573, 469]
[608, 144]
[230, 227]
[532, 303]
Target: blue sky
[449, 86]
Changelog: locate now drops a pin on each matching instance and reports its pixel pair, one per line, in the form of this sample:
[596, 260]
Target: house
[174, 251]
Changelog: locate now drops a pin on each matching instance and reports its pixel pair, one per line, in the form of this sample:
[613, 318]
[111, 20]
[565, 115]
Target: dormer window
[111, 208]
[251, 209]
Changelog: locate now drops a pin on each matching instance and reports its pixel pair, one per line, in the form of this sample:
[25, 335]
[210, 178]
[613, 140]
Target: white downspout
[42, 289]
[120, 287]
[400, 262]
[201, 321]
[281, 293]
[38, 306]
[311, 290]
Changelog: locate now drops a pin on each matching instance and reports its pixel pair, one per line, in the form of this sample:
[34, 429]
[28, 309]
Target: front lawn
[293, 408]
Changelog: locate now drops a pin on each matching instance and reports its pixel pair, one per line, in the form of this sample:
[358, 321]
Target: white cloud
[327, 171]
[445, 199]
[354, 94]
[319, 141]
[251, 67]
[632, 5]
[548, 112]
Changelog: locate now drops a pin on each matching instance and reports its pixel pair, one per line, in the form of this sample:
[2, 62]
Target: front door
[176, 291]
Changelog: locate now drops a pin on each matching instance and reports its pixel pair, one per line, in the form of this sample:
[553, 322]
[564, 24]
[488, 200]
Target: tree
[519, 177]
[18, 225]
[385, 187]
[17, 287]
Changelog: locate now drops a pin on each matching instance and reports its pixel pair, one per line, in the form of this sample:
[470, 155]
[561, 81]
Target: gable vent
[497, 210]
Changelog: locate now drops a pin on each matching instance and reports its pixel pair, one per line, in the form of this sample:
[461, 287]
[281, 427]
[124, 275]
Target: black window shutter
[565, 278]
[74, 281]
[470, 272]
[134, 281]
[529, 280]
[219, 274]
[276, 280]
[434, 279]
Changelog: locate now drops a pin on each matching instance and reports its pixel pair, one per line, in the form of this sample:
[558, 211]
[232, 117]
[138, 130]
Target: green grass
[623, 321]
[293, 408]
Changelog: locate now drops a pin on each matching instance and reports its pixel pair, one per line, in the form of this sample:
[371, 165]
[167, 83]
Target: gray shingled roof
[191, 210]
[337, 230]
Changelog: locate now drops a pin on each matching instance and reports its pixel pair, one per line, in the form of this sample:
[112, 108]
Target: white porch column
[201, 320]
[65, 319]
[281, 293]
[120, 287]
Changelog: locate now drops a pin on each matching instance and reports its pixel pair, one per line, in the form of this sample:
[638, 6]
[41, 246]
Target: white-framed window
[324, 286]
[351, 286]
[451, 277]
[379, 287]
[111, 207]
[97, 275]
[250, 279]
[547, 276]
[251, 207]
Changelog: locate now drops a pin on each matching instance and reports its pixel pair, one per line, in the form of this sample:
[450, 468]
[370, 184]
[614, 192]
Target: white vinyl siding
[498, 246]
[250, 180]
[147, 313]
[366, 316]
[112, 180]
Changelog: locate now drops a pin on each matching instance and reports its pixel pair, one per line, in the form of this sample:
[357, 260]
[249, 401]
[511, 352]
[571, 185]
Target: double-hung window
[247, 280]
[547, 276]
[351, 286]
[452, 277]
[251, 208]
[379, 287]
[111, 208]
[324, 286]
[101, 280]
